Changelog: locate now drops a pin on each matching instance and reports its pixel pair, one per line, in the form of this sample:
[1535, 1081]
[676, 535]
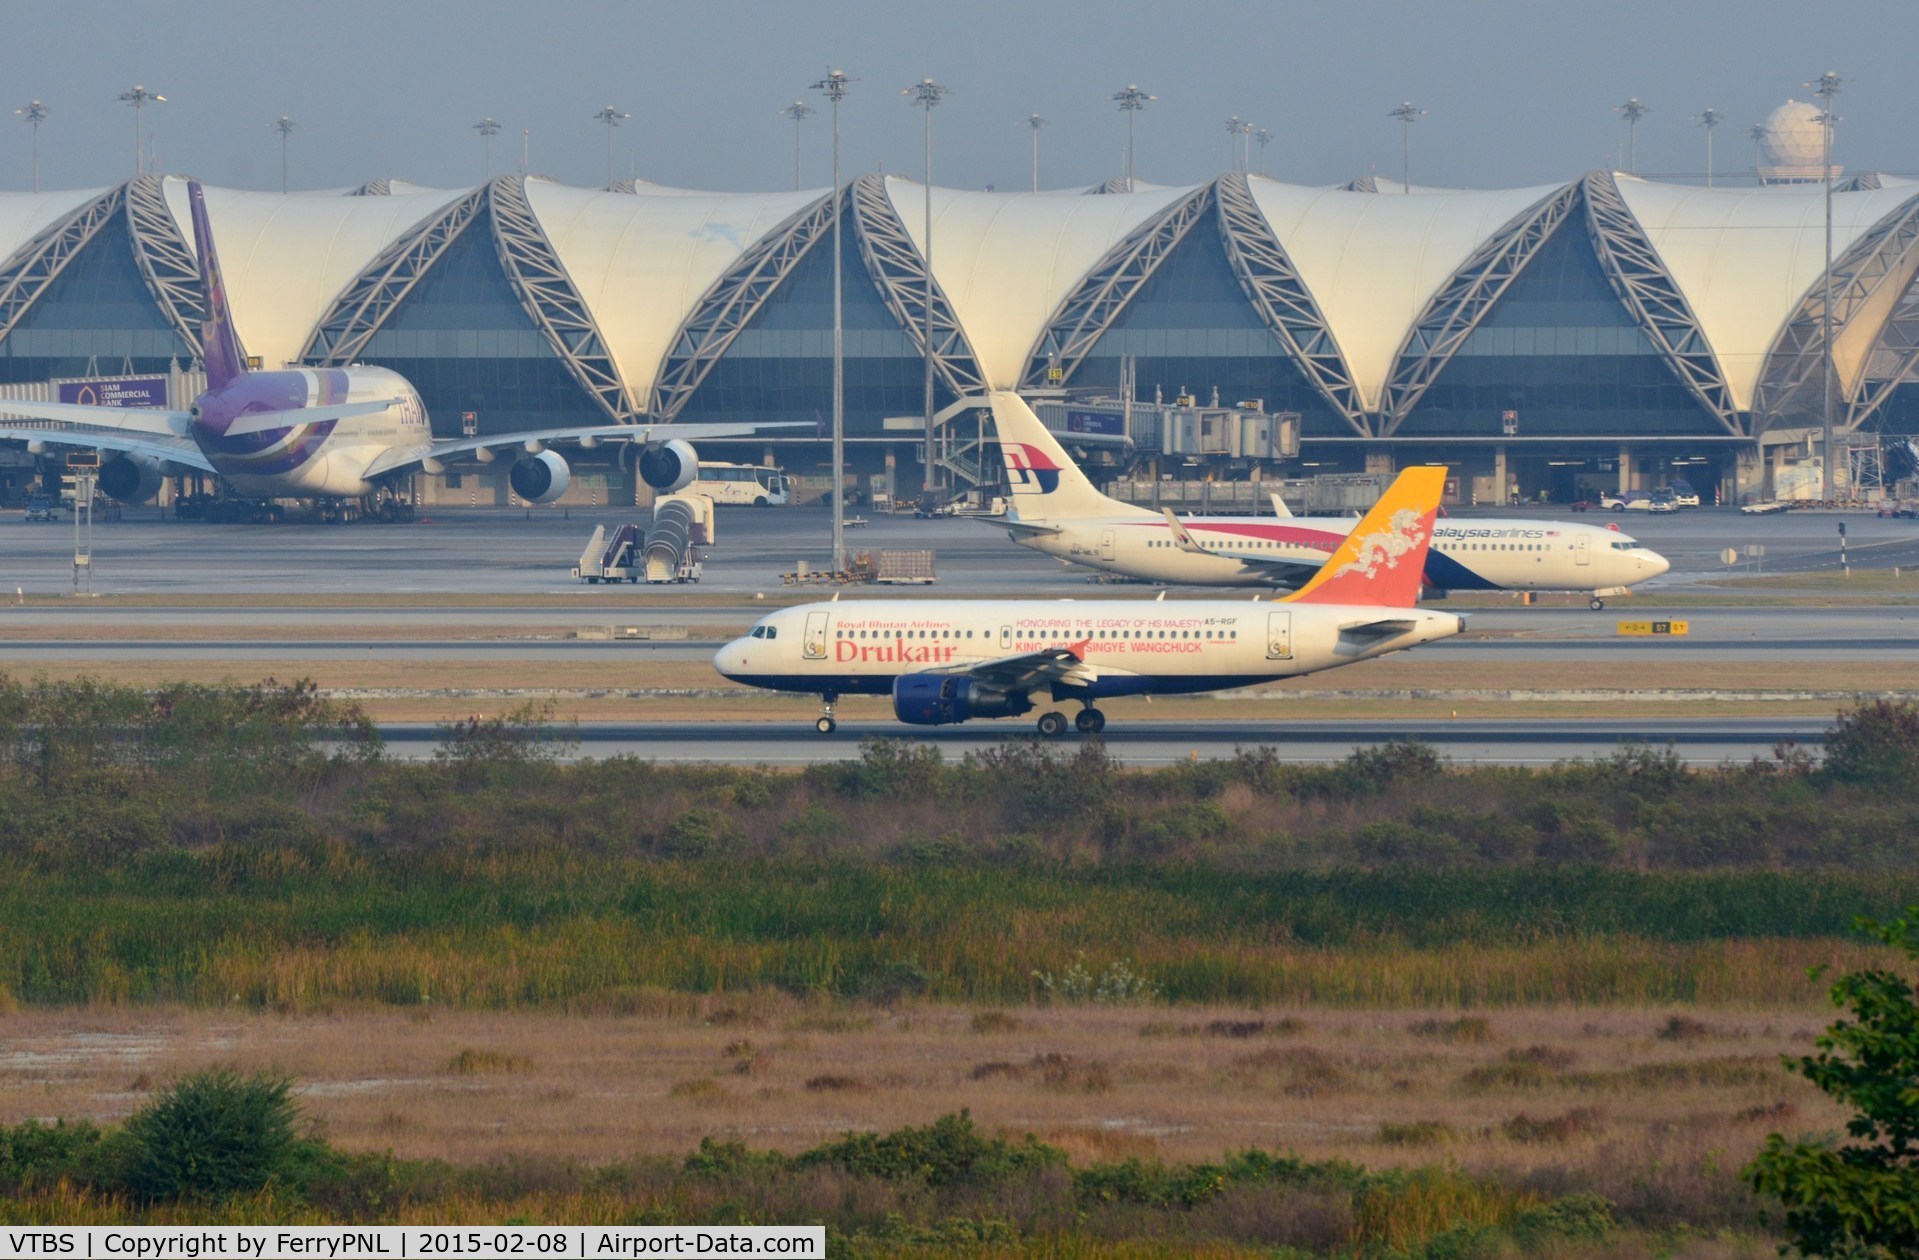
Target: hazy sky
[1516, 93]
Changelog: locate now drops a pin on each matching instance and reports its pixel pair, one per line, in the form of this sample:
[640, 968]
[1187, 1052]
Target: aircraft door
[813, 646]
[1279, 636]
[1583, 549]
[1106, 544]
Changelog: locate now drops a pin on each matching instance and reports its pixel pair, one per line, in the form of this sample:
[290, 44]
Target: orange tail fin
[1383, 561]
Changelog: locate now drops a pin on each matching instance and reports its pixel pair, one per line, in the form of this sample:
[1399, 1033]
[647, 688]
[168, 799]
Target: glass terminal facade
[97, 317]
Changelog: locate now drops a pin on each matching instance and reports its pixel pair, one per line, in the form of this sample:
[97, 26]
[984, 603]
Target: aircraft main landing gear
[826, 725]
[1596, 604]
[1052, 724]
[1090, 721]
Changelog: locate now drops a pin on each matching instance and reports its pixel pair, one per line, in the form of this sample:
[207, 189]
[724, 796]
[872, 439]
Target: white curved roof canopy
[24, 215]
[1006, 262]
[1744, 258]
[641, 261]
[286, 257]
[1373, 260]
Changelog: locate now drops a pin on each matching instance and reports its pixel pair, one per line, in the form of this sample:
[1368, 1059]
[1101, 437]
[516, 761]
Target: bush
[947, 1152]
[212, 1134]
[1875, 746]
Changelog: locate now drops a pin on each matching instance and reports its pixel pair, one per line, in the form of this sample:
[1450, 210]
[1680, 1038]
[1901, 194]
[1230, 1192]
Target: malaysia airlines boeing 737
[946, 661]
[312, 433]
[1057, 510]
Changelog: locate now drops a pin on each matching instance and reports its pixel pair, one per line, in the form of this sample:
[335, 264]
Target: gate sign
[1104, 423]
[139, 391]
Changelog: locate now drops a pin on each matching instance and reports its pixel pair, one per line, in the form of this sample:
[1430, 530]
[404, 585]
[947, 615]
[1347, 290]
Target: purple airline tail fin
[219, 344]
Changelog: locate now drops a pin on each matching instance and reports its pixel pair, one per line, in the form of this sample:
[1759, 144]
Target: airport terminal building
[1607, 331]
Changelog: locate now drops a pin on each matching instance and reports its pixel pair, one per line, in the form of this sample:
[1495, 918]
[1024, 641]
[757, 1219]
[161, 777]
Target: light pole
[1758, 133]
[1265, 138]
[1632, 111]
[1131, 100]
[1825, 87]
[35, 113]
[1034, 122]
[138, 96]
[286, 127]
[1237, 129]
[612, 118]
[926, 94]
[488, 129]
[799, 112]
[1709, 118]
[834, 87]
[1408, 114]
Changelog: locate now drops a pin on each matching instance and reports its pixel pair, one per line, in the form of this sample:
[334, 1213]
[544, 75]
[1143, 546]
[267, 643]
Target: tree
[1859, 1199]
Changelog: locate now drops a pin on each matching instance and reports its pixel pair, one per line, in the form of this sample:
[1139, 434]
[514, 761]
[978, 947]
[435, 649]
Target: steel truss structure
[898, 269]
[374, 188]
[1792, 385]
[363, 306]
[1653, 297]
[726, 308]
[165, 258]
[1267, 274]
[534, 270]
[1457, 309]
[1090, 309]
[35, 265]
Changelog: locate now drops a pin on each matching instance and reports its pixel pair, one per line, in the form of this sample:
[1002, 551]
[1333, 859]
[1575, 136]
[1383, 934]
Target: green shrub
[948, 1152]
[1875, 746]
[210, 1135]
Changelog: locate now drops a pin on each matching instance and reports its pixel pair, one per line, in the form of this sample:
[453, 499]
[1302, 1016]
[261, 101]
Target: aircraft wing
[1031, 669]
[120, 419]
[1285, 572]
[161, 446]
[406, 456]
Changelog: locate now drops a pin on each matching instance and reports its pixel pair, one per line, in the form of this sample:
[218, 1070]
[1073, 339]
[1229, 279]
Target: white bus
[741, 483]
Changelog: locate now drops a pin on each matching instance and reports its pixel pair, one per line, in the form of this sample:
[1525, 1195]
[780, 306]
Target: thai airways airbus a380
[309, 433]
[946, 661]
[1058, 511]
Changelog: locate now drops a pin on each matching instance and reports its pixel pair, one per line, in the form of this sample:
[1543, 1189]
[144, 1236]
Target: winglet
[219, 344]
[1182, 537]
[1279, 507]
[1383, 560]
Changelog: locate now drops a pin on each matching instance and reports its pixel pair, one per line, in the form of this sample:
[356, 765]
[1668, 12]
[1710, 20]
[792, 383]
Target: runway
[1533, 742]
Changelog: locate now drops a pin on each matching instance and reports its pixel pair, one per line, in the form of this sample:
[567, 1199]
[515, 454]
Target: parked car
[1684, 495]
[40, 507]
[1660, 500]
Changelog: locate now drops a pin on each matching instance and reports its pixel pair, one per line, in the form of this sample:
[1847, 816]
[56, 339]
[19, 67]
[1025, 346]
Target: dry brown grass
[1359, 1085]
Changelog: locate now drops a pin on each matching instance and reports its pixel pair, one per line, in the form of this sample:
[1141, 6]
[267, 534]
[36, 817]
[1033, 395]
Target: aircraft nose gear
[826, 725]
[1052, 725]
[1596, 604]
[1090, 721]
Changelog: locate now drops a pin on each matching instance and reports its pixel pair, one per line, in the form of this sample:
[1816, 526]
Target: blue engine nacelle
[130, 479]
[541, 479]
[942, 699]
[669, 466]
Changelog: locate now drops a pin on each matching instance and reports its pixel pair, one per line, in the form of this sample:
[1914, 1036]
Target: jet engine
[942, 699]
[541, 478]
[669, 466]
[131, 479]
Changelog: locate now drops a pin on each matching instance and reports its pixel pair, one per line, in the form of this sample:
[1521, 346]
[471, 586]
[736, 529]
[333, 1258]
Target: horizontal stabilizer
[1382, 629]
[268, 421]
[126, 419]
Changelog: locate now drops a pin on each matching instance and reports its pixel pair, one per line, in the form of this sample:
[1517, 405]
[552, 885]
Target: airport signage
[138, 391]
[1655, 627]
[1102, 423]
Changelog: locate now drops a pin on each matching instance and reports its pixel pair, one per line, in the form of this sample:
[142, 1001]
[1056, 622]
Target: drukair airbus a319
[945, 661]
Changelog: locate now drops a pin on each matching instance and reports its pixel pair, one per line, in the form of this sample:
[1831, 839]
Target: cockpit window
[765, 632]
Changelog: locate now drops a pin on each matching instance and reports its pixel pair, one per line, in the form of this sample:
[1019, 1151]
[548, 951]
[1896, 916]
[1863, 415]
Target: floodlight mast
[799, 112]
[1632, 111]
[612, 118]
[286, 127]
[1758, 133]
[1709, 118]
[1265, 138]
[834, 88]
[1408, 114]
[1825, 87]
[1131, 100]
[1237, 129]
[35, 113]
[138, 96]
[926, 94]
[1034, 122]
[488, 129]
